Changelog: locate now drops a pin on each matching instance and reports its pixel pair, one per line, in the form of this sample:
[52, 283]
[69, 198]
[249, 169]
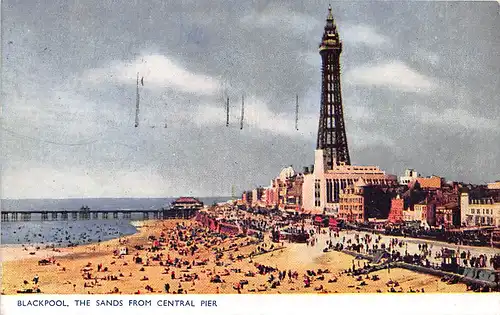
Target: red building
[396, 212]
[361, 202]
[270, 197]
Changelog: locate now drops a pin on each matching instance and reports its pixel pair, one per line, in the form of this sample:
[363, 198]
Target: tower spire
[332, 137]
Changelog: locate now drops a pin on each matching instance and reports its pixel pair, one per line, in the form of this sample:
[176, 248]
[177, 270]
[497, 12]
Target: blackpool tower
[331, 130]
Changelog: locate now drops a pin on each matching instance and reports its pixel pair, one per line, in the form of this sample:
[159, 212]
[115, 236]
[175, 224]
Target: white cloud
[393, 75]
[281, 18]
[456, 117]
[363, 34]
[258, 117]
[159, 71]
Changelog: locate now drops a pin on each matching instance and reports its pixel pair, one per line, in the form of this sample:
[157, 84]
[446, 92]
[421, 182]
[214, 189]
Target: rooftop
[186, 200]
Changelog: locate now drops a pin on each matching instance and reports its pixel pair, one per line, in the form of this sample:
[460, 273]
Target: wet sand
[65, 276]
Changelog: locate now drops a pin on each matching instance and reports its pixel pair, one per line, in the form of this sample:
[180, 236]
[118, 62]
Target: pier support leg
[54, 216]
[74, 216]
[64, 216]
[45, 216]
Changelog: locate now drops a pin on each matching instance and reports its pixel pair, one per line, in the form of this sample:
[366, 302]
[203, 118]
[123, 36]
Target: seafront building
[283, 193]
[397, 213]
[430, 183]
[494, 186]
[362, 202]
[409, 176]
[257, 199]
[352, 203]
[479, 212]
[415, 214]
[288, 190]
[447, 215]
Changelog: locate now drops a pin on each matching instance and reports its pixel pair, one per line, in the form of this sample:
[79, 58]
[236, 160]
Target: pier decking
[65, 215]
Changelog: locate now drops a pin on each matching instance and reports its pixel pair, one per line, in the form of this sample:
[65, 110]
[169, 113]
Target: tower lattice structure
[331, 131]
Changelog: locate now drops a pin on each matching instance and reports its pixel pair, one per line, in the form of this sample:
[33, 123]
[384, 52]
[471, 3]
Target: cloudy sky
[420, 84]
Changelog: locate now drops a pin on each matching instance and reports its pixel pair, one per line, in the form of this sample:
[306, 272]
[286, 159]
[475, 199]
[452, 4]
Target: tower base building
[322, 188]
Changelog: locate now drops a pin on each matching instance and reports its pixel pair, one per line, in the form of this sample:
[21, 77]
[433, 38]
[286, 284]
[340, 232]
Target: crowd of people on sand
[187, 253]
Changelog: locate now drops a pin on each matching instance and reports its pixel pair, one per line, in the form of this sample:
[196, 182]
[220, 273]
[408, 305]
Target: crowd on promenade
[465, 238]
[425, 256]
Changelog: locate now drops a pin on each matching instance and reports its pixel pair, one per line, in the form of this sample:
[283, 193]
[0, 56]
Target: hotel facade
[479, 212]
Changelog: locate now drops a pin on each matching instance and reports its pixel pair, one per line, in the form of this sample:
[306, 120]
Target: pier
[64, 215]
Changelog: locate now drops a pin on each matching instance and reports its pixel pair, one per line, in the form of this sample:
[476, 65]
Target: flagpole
[137, 102]
[242, 110]
[297, 112]
[227, 112]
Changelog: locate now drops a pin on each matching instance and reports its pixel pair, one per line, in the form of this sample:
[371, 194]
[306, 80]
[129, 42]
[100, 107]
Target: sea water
[64, 233]
[77, 232]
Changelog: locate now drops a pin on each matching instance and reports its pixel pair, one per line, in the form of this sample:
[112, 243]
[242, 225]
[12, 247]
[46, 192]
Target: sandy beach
[75, 270]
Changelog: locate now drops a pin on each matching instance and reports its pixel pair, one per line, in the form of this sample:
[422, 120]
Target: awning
[332, 222]
[316, 211]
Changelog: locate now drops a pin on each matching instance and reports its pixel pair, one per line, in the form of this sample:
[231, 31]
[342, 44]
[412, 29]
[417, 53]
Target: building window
[317, 193]
[329, 192]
